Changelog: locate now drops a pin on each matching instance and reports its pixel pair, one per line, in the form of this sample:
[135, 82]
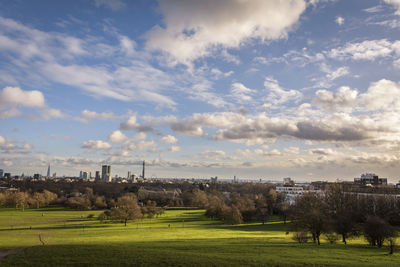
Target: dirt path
[5, 252]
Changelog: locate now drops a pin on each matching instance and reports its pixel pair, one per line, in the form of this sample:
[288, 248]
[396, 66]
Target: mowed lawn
[177, 238]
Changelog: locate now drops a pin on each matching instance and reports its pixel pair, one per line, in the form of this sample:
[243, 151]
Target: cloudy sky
[253, 88]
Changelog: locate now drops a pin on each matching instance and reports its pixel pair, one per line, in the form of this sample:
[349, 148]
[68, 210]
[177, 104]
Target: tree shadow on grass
[193, 252]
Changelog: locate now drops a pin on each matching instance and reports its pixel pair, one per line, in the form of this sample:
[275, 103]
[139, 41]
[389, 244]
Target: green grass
[178, 238]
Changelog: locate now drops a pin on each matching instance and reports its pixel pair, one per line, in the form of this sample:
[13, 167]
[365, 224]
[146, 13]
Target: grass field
[178, 238]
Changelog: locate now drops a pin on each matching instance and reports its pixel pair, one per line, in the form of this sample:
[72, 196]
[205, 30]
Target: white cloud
[140, 136]
[174, 149]
[43, 56]
[89, 115]
[127, 45]
[322, 151]
[193, 125]
[214, 154]
[395, 4]
[122, 153]
[14, 96]
[374, 9]
[27, 147]
[342, 71]
[366, 50]
[241, 93]
[131, 124]
[9, 113]
[383, 94]
[193, 29]
[145, 144]
[344, 99]
[8, 163]
[292, 150]
[49, 113]
[117, 137]
[339, 20]
[277, 95]
[169, 139]
[96, 145]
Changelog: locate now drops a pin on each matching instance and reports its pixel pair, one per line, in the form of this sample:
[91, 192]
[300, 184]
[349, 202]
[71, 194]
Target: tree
[82, 203]
[38, 199]
[215, 207]
[284, 208]
[49, 197]
[21, 200]
[199, 198]
[100, 202]
[308, 214]
[262, 209]
[376, 230]
[342, 209]
[126, 209]
[232, 215]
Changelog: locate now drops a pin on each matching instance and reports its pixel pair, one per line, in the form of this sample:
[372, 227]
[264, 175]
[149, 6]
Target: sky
[260, 89]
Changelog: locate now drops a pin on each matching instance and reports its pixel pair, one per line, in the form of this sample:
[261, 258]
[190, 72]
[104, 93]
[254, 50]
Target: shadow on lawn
[193, 252]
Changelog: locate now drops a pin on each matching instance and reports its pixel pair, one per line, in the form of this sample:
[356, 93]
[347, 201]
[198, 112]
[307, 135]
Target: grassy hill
[177, 238]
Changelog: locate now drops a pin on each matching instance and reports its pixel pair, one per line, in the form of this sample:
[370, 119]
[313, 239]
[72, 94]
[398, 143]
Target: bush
[301, 237]
[332, 237]
[377, 230]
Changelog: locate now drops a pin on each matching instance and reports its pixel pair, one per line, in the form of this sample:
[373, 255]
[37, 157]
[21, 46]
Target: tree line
[337, 213]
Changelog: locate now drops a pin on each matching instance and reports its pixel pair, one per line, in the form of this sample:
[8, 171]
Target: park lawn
[177, 238]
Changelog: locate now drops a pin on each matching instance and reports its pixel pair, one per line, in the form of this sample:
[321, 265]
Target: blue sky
[257, 89]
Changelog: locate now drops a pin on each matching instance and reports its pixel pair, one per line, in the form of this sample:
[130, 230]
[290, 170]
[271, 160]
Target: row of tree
[126, 208]
[22, 200]
[346, 214]
[236, 208]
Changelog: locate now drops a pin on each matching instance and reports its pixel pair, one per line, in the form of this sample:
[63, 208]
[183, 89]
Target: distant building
[48, 172]
[370, 179]
[37, 176]
[214, 179]
[291, 192]
[1, 173]
[106, 173]
[97, 175]
[81, 174]
[288, 181]
[85, 175]
[7, 175]
[128, 176]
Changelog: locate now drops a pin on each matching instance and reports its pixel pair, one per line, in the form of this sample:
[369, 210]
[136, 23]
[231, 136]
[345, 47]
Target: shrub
[301, 237]
[332, 237]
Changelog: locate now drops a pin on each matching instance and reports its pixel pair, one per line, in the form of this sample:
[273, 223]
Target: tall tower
[143, 169]
[48, 171]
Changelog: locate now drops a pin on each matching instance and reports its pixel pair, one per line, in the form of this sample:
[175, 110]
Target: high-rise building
[85, 175]
[97, 175]
[1, 173]
[81, 174]
[48, 172]
[106, 173]
[129, 176]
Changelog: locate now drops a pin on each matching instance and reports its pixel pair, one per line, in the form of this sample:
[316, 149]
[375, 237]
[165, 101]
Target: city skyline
[307, 89]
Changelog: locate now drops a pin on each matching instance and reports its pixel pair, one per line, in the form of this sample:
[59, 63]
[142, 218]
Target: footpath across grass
[177, 238]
